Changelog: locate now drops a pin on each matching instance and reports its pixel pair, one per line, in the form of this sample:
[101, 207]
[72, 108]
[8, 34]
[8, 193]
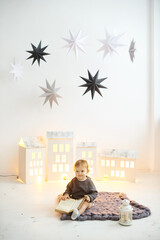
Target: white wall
[156, 77]
[121, 119]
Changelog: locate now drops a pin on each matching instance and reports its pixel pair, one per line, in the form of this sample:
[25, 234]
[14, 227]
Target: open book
[67, 206]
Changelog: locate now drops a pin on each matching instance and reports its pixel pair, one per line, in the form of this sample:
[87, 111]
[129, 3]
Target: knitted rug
[106, 207]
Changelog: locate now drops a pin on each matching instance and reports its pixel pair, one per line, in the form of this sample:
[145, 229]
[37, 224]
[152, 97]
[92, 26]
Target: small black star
[37, 53]
[93, 84]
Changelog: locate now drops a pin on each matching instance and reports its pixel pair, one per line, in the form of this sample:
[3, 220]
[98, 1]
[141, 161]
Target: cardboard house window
[112, 173]
[83, 154]
[55, 147]
[122, 164]
[89, 154]
[61, 147]
[107, 163]
[57, 158]
[31, 172]
[127, 164]
[60, 167]
[122, 174]
[102, 162]
[41, 171]
[63, 158]
[66, 167]
[39, 155]
[67, 147]
[117, 173]
[36, 171]
[112, 163]
[33, 155]
[90, 162]
[132, 164]
[54, 168]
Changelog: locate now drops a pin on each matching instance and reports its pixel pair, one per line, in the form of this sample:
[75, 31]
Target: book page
[68, 205]
[77, 203]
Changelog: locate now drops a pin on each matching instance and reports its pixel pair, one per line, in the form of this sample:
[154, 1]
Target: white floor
[27, 212]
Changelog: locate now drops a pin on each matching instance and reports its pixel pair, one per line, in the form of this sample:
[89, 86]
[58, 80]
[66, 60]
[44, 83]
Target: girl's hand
[87, 198]
[63, 197]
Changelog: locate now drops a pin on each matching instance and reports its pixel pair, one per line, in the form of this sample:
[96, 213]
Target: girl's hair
[81, 162]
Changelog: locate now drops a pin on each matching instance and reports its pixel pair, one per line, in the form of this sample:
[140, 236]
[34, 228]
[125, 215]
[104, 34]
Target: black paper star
[37, 53]
[93, 84]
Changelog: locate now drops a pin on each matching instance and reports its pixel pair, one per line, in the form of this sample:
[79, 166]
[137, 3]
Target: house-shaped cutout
[117, 165]
[87, 151]
[32, 156]
[60, 156]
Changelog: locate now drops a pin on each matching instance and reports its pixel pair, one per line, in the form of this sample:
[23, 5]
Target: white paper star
[50, 93]
[17, 70]
[75, 43]
[132, 50]
[110, 44]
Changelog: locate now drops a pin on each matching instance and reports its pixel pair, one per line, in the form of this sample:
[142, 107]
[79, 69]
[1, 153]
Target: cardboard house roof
[119, 153]
[86, 144]
[32, 142]
[59, 134]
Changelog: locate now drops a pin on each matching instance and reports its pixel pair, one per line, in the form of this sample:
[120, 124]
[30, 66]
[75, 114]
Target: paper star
[50, 93]
[93, 84]
[17, 70]
[75, 43]
[132, 50]
[37, 53]
[110, 44]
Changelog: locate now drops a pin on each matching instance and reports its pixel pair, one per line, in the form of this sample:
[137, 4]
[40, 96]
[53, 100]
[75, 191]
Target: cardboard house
[88, 151]
[60, 156]
[32, 156]
[117, 165]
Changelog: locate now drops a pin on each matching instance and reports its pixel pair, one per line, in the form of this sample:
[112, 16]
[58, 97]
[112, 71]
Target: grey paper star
[132, 50]
[50, 93]
[93, 84]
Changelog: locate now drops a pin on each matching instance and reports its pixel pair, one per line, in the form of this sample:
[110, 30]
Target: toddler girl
[80, 186]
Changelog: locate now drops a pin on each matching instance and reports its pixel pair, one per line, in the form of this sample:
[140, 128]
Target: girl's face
[81, 172]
